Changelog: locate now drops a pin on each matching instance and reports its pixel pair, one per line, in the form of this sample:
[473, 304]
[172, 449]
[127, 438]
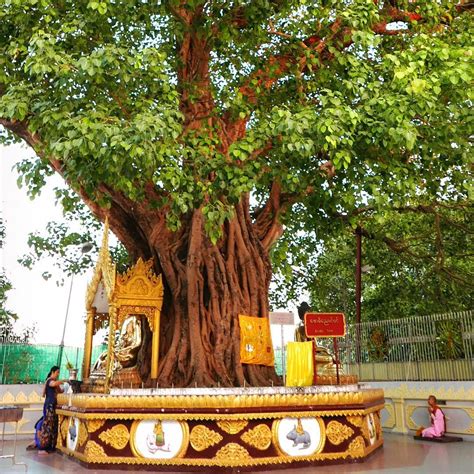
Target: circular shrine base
[198, 429]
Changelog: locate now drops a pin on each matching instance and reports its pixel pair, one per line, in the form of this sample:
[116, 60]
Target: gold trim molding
[215, 416]
[365, 397]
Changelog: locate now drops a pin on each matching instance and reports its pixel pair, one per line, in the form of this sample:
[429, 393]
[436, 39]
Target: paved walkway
[401, 454]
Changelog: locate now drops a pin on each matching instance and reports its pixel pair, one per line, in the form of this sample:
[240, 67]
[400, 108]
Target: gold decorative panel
[64, 427]
[202, 438]
[140, 281]
[232, 453]
[94, 451]
[83, 435]
[94, 425]
[259, 437]
[357, 447]
[232, 426]
[410, 409]
[378, 425]
[34, 397]
[337, 432]
[117, 436]
[355, 420]
[390, 421]
[59, 442]
[8, 398]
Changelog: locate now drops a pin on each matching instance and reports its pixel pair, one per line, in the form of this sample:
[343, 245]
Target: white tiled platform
[401, 454]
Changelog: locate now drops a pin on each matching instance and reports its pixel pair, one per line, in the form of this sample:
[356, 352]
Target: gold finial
[299, 427]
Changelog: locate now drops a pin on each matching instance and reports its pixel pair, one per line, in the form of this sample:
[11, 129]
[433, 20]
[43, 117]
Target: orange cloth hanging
[255, 341]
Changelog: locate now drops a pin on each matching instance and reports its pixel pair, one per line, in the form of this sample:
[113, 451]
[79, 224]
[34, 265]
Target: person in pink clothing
[438, 422]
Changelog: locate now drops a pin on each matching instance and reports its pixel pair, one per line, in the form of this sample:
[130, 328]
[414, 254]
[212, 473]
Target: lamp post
[86, 248]
[358, 289]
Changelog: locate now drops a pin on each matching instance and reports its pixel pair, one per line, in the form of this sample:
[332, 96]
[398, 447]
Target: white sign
[286, 319]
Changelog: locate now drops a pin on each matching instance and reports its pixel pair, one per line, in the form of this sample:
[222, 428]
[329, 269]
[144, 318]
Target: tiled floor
[401, 454]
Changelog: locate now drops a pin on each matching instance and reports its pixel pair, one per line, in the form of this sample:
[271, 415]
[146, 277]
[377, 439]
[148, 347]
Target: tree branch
[401, 247]
[123, 221]
[266, 222]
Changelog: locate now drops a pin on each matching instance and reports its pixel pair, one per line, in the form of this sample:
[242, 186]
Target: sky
[35, 300]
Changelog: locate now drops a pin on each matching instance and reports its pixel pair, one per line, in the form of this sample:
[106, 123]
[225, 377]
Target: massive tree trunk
[206, 287]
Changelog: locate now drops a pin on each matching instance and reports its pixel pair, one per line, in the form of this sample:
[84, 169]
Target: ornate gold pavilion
[112, 298]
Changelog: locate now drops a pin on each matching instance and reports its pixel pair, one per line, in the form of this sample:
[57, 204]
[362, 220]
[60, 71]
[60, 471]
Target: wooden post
[155, 348]
[86, 364]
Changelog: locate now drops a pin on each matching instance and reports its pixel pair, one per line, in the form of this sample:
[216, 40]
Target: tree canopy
[413, 264]
[237, 119]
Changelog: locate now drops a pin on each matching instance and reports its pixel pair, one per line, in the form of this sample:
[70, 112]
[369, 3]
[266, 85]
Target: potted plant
[72, 370]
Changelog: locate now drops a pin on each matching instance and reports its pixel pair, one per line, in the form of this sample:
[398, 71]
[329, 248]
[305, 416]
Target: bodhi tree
[201, 127]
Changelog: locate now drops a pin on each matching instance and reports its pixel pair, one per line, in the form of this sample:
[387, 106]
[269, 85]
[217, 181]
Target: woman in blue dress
[47, 426]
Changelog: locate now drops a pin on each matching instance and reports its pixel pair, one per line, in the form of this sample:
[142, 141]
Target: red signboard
[324, 324]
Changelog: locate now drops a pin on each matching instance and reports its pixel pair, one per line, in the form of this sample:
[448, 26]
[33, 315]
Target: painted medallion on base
[72, 433]
[369, 419]
[159, 439]
[299, 436]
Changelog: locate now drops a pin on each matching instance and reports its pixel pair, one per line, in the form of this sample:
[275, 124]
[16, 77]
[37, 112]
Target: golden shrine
[117, 422]
[126, 302]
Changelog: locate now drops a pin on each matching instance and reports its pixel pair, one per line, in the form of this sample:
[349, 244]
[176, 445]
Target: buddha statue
[128, 346]
[126, 350]
[325, 363]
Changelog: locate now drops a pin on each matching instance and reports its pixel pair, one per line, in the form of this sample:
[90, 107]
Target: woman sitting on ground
[438, 422]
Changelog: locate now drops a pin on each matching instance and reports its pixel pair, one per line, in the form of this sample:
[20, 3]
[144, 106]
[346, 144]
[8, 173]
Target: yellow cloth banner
[299, 364]
[255, 341]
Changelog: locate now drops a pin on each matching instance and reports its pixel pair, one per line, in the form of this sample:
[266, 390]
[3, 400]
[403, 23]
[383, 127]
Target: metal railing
[434, 347]
[21, 362]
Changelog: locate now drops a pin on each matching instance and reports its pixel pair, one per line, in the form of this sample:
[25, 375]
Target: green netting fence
[30, 363]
